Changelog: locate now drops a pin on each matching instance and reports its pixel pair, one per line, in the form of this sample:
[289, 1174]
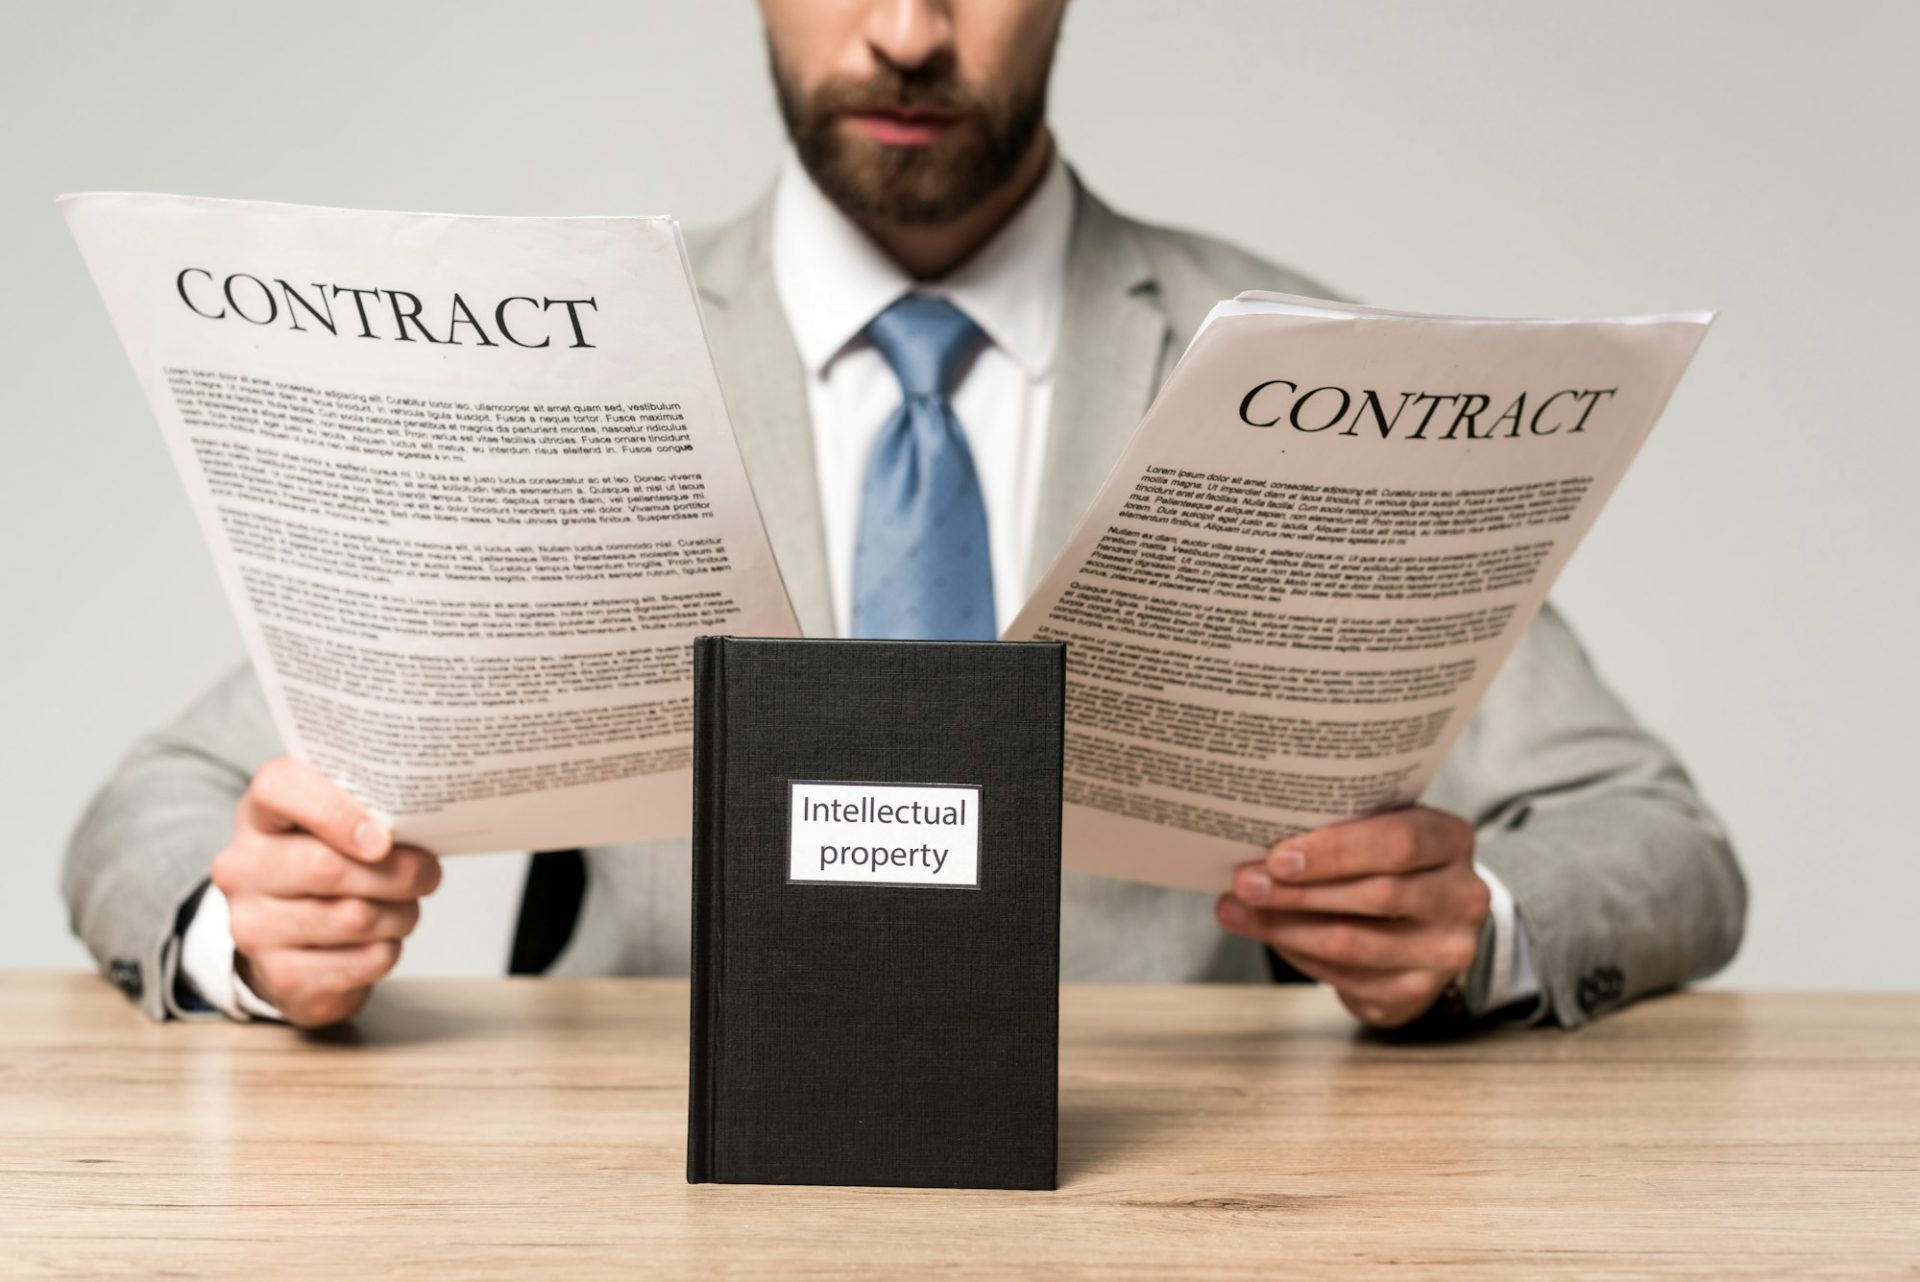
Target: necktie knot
[925, 340]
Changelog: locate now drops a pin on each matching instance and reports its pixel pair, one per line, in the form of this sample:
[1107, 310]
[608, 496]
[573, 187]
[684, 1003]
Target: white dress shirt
[206, 958]
[832, 280]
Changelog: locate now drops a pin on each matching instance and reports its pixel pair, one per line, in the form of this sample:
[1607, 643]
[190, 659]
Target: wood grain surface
[522, 1128]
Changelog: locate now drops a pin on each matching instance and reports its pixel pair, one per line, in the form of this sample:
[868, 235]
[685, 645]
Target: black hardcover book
[876, 913]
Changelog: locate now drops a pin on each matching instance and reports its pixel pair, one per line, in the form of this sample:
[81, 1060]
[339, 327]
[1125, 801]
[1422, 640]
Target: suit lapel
[1113, 340]
[766, 391]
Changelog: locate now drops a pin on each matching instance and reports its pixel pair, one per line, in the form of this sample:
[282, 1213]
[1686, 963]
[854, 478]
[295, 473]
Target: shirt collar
[832, 279]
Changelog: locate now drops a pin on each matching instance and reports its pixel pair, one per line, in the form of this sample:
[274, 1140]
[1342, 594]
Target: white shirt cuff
[1512, 977]
[206, 959]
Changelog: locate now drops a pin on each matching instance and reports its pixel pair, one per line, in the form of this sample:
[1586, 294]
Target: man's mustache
[932, 94]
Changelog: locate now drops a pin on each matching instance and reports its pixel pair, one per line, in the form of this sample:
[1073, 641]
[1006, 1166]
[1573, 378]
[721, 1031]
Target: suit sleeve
[1624, 880]
[142, 849]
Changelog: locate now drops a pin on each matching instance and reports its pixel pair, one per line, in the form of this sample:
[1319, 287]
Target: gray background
[1749, 588]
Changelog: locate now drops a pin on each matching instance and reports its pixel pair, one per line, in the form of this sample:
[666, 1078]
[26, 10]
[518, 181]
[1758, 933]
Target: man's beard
[910, 186]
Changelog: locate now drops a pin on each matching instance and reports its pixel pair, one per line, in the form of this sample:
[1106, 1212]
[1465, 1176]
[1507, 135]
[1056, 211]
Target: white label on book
[884, 834]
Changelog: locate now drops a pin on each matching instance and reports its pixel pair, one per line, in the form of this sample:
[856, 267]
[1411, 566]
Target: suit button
[1601, 987]
[124, 974]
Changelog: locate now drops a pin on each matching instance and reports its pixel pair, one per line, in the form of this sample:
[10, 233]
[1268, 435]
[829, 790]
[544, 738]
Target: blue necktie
[920, 563]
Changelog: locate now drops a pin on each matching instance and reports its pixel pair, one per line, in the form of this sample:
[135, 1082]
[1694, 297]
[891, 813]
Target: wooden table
[523, 1128]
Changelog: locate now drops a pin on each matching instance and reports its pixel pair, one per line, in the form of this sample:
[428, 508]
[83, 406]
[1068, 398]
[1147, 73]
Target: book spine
[709, 900]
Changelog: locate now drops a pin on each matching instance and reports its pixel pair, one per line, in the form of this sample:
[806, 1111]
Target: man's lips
[902, 128]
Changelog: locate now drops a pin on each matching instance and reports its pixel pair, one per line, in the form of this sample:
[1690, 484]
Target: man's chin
[925, 179]
[895, 184]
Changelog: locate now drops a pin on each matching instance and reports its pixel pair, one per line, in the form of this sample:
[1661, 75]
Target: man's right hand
[320, 897]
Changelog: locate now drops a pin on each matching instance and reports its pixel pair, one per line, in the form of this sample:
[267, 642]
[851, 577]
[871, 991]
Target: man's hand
[320, 895]
[1387, 910]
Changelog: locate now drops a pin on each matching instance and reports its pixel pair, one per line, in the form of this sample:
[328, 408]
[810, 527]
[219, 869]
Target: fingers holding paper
[1386, 910]
[319, 898]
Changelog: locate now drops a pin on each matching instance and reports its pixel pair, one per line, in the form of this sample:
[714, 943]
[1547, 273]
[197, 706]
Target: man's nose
[909, 34]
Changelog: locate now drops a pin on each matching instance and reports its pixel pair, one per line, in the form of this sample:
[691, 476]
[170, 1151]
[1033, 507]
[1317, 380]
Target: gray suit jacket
[1625, 882]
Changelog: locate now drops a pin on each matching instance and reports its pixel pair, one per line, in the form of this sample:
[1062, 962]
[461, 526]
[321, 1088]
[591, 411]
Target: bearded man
[925, 238]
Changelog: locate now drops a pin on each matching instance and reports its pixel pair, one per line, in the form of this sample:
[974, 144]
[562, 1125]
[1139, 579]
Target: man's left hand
[1386, 910]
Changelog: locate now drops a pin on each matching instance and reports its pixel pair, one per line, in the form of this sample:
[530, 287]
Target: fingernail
[1253, 886]
[1287, 863]
[1233, 913]
[370, 837]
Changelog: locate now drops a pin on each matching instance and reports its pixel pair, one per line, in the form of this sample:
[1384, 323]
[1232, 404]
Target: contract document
[471, 489]
[1331, 527]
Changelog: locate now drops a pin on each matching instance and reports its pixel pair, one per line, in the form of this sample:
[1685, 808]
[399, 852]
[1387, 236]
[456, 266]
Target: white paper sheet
[1289, 595]
[470, 486]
